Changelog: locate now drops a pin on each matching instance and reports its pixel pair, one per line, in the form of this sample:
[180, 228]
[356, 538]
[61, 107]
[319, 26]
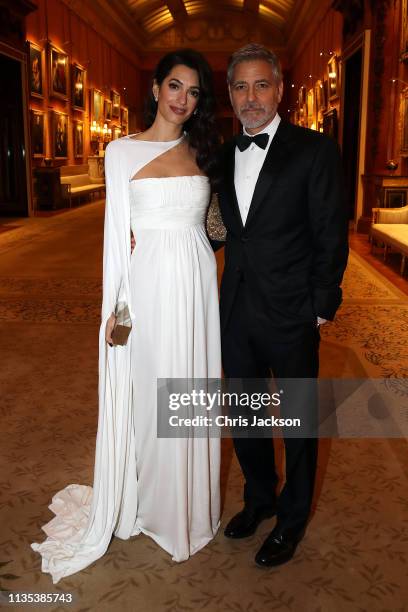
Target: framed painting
[59, 135]
[320, 97]
[330, 123]
[78, 87]
[108, 109]
[78, 139]
[35, 70]
[96, 105]
[124, 115]
[115, 97]
[333, 77]
[58, 73]
[395, 198]
[37, 124]
[311, 116]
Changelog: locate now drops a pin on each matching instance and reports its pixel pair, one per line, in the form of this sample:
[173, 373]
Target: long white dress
[167, 488]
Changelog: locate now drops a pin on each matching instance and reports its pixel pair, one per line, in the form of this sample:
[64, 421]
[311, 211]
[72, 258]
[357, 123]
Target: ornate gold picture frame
[78, 139]
[333, 77]
[78, 87]
[37, 125]
[59, 135]
[36, 70]
[96, 105]
[59, 73]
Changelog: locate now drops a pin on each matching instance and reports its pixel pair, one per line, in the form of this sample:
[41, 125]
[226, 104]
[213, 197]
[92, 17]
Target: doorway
[351, 127]
[13, 172]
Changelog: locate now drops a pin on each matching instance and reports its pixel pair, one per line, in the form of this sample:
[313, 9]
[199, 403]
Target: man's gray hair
[251, 52]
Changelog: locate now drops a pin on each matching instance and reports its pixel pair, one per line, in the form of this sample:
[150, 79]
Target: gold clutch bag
[215, 227]
[123, 324]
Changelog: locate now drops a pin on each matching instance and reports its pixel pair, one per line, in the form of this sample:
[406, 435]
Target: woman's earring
[195, 112]
[156, 99]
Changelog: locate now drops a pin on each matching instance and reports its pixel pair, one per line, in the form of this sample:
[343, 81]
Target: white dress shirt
[248, 165]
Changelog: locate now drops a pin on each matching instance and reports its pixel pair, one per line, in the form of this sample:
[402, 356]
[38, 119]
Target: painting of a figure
[78, 87]
[35, 71]
[37, 133]
[78, 139]
[96, 105]
[60, 135]
[115, 97]
[58, 73]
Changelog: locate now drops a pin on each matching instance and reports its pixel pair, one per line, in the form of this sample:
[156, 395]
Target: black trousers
[250, 352]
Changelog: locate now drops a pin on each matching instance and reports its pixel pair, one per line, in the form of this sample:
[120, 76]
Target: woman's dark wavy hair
[201, 128]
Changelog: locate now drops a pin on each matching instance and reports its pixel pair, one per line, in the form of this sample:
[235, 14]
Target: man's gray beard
[255, 123]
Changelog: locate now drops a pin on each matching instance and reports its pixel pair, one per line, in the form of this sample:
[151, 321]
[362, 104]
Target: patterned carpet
[354, 556]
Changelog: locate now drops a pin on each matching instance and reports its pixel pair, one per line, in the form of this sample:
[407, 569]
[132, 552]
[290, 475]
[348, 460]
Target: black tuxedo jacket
[293, 250]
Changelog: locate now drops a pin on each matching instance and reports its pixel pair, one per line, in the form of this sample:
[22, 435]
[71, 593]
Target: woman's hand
[110, 324]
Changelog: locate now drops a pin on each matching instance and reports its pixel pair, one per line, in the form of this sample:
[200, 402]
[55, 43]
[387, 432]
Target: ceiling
[154, 16]
[152, 27]
[216, 25]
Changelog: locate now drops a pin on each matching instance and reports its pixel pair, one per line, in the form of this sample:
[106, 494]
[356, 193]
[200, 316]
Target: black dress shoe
[246, 522]
[278, 548]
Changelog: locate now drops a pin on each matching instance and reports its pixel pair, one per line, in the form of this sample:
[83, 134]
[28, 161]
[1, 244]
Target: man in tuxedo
[281, 200]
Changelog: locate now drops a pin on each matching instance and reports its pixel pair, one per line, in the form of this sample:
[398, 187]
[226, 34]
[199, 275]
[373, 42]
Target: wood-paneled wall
[107, 68]
[383, 111]
[322, 37]
[310, 59]
[386, 104]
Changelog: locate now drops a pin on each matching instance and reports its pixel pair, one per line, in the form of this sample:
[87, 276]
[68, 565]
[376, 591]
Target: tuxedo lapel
[230, 176]
[271, 169]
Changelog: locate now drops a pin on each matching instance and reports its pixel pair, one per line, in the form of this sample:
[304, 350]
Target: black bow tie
[243, 141]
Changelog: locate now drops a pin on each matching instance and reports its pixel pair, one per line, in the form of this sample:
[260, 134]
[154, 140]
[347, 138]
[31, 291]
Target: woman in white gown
[158, 187]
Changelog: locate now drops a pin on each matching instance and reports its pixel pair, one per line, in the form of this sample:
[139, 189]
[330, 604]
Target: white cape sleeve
[87, 517]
